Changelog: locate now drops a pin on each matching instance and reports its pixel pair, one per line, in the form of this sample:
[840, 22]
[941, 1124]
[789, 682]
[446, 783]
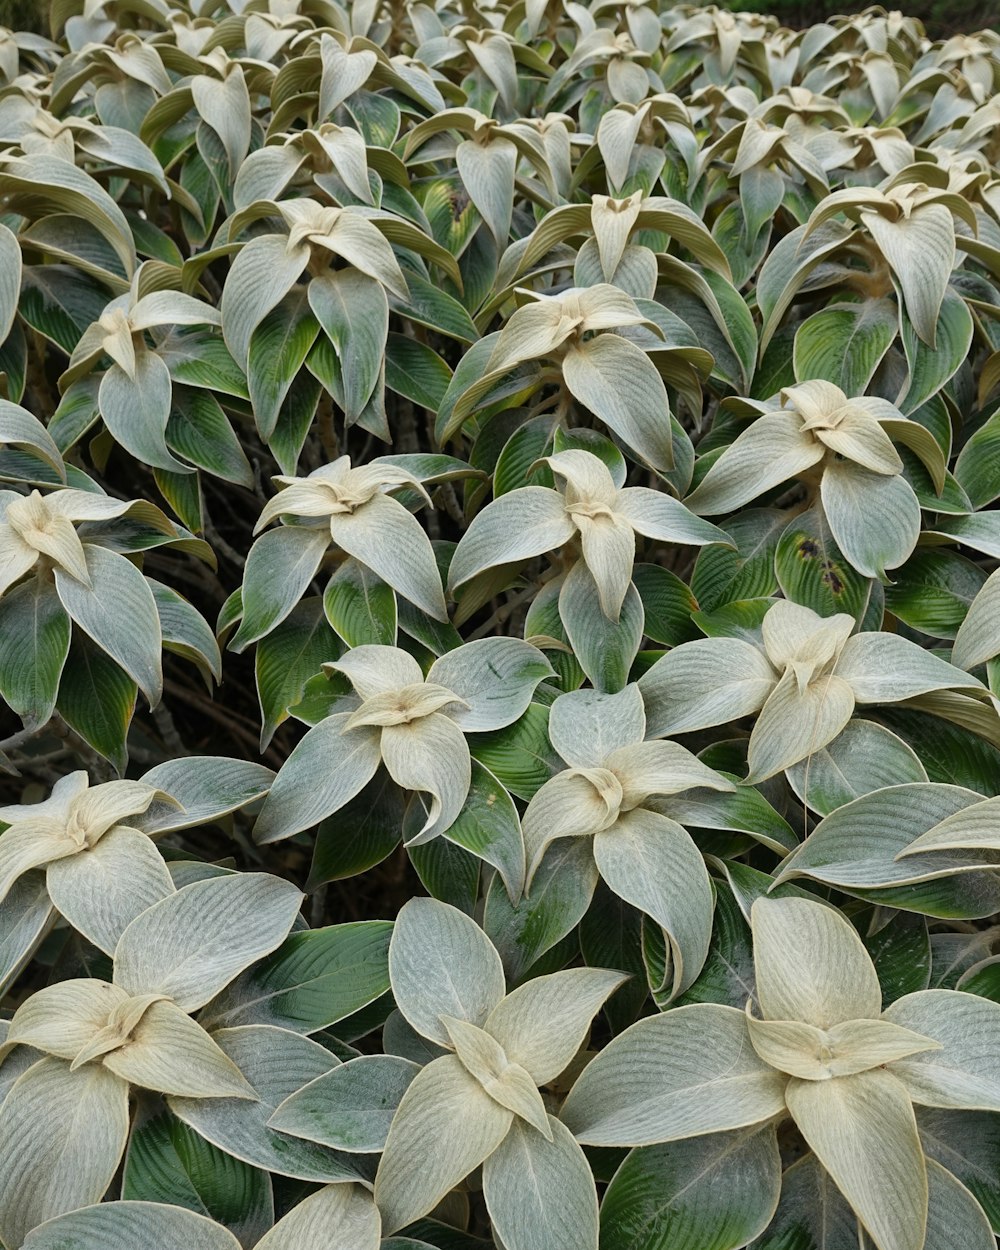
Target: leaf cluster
[499, 628]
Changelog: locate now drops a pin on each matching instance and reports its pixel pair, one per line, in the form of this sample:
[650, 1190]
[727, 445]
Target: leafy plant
[577, 827]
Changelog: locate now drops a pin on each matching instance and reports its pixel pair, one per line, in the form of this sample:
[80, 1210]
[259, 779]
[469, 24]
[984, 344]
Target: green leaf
[97, 699]
[743, 810]
[947, 752]
[168, 1162]
[488, 827]
[520, 756]
[203, 360]
[722, 575]
[278, 349]
[901, 953]
[310, 982]
[604, 648]
[186, 632]
[34, 643]
[60, 303]
[812, 1213]
[812, 570]
[933, 590]
[287, 657]
[561, 891]
[182, 491]
[360, 606]
[279, 568]
[119, 613]
[429, 306]
[728, 975]
[709, 1193]
[415, 371]
[932, 367]
[447, 872]
[845, 343]
[199, 430]
[360, 835]
[527, 445]
[978, 464]
[667, 604]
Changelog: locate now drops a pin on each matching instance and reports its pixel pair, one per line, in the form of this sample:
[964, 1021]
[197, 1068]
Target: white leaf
[61, 1019]
[194, 942]
[169, 1052]
[442, 964]
[119, 612]
[337, 1217]
[770, 451]
[430, 755]
[276, 1062]
[794, 723]
[978, 637]
[659, 1081]
[325, 771]
[703, 683]
[651, 862]
[63, 1134]
[102, 891]
[620, 384]
[448, 1107]
[875, 520]
[260, 277]
[811, 965]
[965, 1072]
[586, 726]
[128, 1225]
[387, 538]
[883, 668]
[496, 677]
[543, 1023]
[863, 1131]
[517, 526]
[541, 1193]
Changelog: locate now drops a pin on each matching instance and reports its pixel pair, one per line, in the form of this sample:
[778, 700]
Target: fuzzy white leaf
[448, 1107]
[863, 1131]
[658, 1081]
[541, 1193]
[337, 1217]
[811, 965]
[442, 964]
[194, 942]
[543, 1023]
[64, 1134]
[965, 1072]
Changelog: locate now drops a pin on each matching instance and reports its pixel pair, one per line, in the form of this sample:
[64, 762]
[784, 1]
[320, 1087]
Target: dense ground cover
[499, 629]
